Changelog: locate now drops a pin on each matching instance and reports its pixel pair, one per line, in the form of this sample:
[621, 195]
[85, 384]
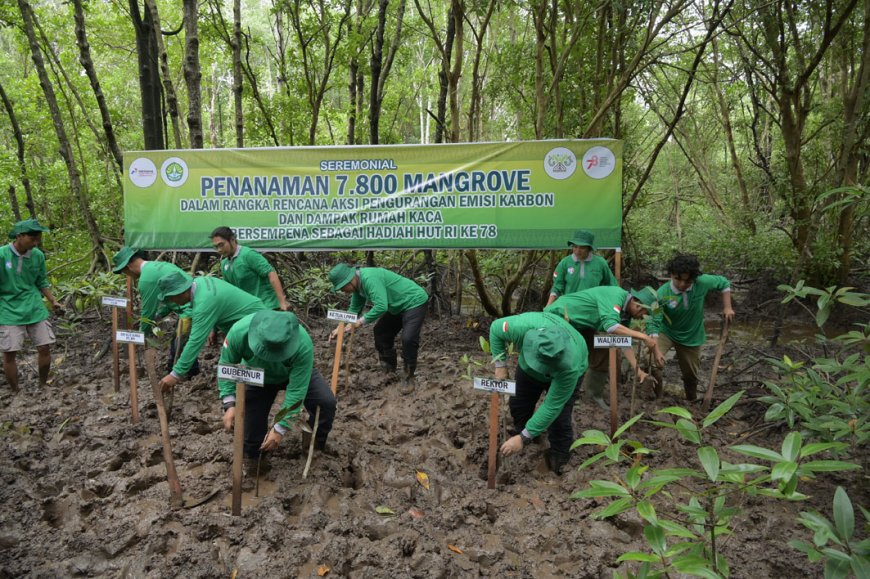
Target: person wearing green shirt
[132, 263]
[606, 309]
[275, 342]
[23, 284]
[553, 358]
[247, 269]
[582, 269]
[214, 303]
[680, 322]
[398, 305]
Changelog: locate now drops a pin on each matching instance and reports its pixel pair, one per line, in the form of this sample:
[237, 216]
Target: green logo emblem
[174, 172]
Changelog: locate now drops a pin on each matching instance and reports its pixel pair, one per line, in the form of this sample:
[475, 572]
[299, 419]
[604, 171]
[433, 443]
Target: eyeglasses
[219, 244]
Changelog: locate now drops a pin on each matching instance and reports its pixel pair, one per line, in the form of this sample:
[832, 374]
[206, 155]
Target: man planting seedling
[553, 358]
[398, 305]
[276, 343]
[213, 304]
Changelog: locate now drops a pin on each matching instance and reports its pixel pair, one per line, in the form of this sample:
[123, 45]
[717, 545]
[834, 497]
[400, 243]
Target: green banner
[521, 195]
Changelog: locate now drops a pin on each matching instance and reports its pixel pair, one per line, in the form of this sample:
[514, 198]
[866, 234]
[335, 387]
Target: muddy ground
[84, 492]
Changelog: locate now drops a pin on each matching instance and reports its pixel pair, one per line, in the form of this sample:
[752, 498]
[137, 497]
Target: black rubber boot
[388, 361]
[556, 460]
[691, 390]
[409, 381]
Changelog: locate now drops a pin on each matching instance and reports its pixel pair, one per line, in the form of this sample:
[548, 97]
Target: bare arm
[275, 282]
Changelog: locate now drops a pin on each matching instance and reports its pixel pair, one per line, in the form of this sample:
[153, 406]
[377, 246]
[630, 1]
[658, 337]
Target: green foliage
[312, 291]
[686, 540]
[835, 543]
[86, 292]
[827, 397]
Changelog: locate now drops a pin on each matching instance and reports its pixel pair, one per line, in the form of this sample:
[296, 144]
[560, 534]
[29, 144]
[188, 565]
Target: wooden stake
[311, 444]
[132, 358]
[175, 498]
[116, 358]
[336, 363]
[722, 339]
[614, 413]
[238, 448]
[493, 439]
[347, 362]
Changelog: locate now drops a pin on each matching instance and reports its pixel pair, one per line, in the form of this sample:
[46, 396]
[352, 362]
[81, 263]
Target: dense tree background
[745, 123]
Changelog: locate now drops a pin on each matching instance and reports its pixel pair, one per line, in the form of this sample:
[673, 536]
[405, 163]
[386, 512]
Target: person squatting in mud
[680, 322]
[248, 270]
[607, 309]
[398, 305]
[275, 342]
[23, 284]
[578, 271]
[553, 358]
[214, 303]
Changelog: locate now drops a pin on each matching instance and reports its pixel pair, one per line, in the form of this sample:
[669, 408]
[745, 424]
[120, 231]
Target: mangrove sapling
[689, 540]
[835, 543]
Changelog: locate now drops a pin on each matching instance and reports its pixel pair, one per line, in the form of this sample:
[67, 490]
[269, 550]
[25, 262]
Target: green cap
[26, 226]
[583, 238]
[340, 276]
[646, 296]
[123, 257]
[550, 350]
[172, 284]
[273, 336]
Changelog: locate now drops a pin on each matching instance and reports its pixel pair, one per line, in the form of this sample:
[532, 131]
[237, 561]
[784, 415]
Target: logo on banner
[143, 172]
[174, 172]
[560, 163]
[599, 162]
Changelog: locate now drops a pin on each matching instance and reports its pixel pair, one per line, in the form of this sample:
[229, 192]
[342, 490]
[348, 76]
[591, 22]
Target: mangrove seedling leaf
[385, 511]
[423, 479]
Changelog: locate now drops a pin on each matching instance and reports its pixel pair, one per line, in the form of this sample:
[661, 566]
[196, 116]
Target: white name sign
[613, 341]
[254, 376]
[492, 385]
[340, 316]
[115, 302]
[126, 337]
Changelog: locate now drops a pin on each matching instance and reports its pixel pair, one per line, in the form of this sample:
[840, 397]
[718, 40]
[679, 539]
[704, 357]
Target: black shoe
[556, 460]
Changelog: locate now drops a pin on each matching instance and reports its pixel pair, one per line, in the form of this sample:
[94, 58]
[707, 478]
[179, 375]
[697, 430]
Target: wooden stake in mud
[614, 399]
[132, 358]
[116, 356]
[492, 455]
[723, 337]
[347, 362]
[336, 362]
[175, 498]
[238, 448]
[494, 387]
[612, 343]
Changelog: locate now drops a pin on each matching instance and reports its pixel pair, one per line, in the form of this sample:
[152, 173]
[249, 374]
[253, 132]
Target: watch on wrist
[526, 440]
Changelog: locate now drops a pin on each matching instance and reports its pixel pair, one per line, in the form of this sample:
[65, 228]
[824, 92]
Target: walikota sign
[523, 195]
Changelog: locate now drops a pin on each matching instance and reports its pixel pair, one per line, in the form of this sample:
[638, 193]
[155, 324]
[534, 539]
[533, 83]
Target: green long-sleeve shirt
[682, 313]
[22, 279]
[573, 275]
[562, 384]
[387, 292]
[294, 371]
[248, 270]
[151, 308]
[213, 303]
[598, 308]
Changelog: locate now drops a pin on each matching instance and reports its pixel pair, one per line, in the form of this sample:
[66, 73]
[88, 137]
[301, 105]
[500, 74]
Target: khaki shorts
[12, 337]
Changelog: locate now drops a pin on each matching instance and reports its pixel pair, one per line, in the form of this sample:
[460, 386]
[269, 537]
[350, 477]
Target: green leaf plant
[835, 543]
[687, 539]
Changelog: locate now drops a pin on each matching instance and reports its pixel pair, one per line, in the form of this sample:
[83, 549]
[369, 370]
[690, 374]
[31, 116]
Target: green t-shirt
[387, 292]
[561, 385]
[573, 276]
[22, 277]
[151, 308]
[682, 313]
[248, 270]
[215, 303]
[598, 308]
[294, 371]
